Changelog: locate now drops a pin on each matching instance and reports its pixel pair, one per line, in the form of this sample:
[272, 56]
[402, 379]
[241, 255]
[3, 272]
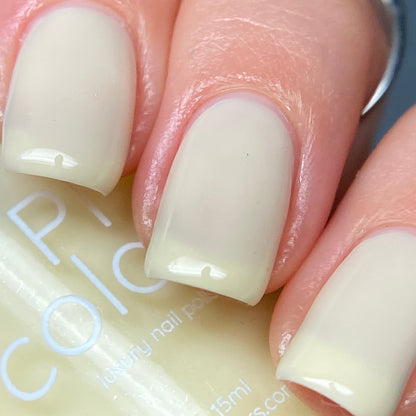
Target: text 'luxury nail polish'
[84, 332]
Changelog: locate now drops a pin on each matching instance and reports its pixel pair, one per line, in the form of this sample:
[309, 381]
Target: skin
[317, 61]
[382, 195]
[291, 53]
[150, 25]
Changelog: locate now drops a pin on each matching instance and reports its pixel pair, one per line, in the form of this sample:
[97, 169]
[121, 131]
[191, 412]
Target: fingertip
[321, 91]
[81, 105]
[359, 279]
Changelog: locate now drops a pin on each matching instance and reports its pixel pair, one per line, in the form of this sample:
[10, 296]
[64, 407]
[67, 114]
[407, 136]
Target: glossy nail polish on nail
[226, 199]
[84, 332]
[71, 100]
[357, 344]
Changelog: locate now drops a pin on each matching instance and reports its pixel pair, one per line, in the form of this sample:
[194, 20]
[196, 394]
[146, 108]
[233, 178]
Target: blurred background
[402, 93]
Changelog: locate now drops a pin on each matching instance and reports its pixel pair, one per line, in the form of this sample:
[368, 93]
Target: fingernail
[357, 344]
[71, 100]
[225, 201]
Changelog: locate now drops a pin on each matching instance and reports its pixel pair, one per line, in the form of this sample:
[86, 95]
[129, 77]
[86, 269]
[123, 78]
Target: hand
[263, 100]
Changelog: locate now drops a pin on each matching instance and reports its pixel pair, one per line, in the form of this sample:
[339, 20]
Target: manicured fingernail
[71, 100]
[225, 201]
[357, 344]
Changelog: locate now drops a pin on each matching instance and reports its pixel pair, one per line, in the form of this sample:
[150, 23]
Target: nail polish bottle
[83, 331]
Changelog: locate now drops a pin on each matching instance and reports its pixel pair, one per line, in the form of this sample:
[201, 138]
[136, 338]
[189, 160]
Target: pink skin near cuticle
[261, 54]
[382, 197]
[150, 28]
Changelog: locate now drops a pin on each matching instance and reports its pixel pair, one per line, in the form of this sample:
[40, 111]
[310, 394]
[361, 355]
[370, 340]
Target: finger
[83, 86]
[265, 98]
[355, 294]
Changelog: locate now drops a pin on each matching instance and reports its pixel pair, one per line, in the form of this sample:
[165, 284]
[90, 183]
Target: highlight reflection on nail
[49, 157]
[71, 101]
[357, 344]
[225, 201]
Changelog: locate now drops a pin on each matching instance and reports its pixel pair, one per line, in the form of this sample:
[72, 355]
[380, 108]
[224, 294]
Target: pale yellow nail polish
[357, 344]
[225, 202]
[71, 100]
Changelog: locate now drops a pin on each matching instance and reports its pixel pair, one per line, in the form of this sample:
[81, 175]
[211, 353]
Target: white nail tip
[225, 201]
[71, 100]
[357, 344]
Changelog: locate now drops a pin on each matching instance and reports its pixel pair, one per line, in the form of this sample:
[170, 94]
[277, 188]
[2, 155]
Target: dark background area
[402, 94]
